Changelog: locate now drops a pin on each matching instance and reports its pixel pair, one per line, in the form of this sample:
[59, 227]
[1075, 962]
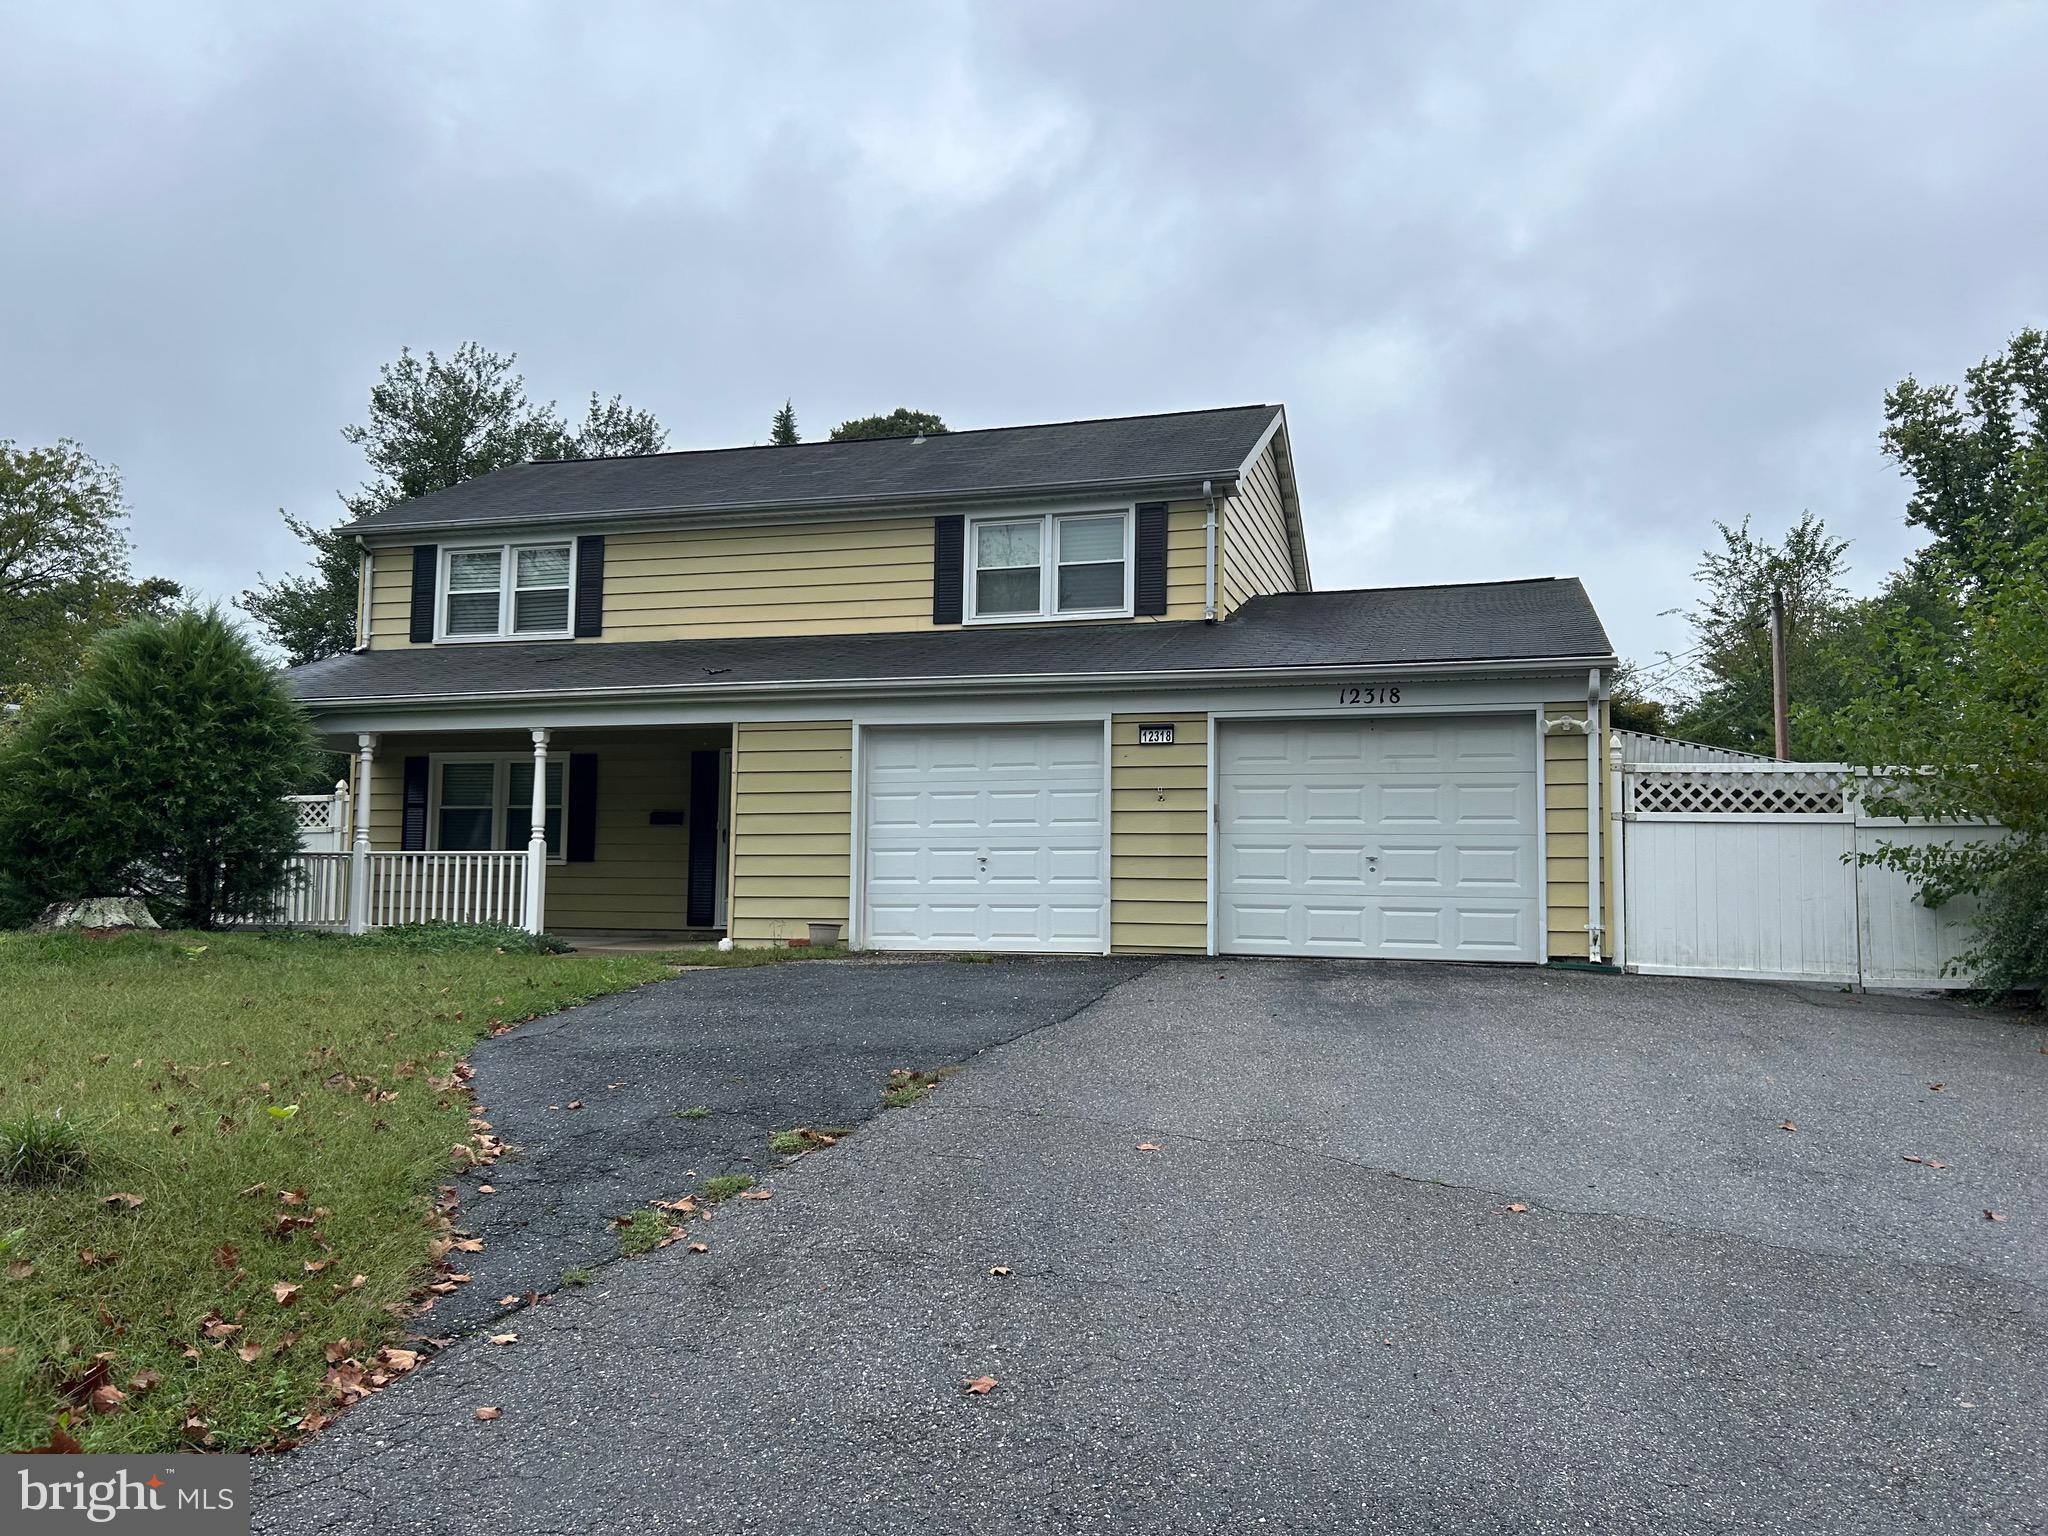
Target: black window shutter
[582, 808]
[949, 553]
[426, 565]
[589, 586]
[702, 907]
[1148, 585]
[414, 825]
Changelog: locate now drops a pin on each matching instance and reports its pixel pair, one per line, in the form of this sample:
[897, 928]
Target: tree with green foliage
[159, 773]
[782, 431]
[1979, 465]
[433, 423]
[1954, 727]
[63, 564]
[1630, 706]
[1728, 702]
[901, 422]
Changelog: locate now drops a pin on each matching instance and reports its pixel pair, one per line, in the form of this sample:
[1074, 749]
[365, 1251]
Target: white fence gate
[1747, 869]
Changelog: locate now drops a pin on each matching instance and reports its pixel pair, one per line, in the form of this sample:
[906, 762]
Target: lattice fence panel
[315, 815]
[1705, 792]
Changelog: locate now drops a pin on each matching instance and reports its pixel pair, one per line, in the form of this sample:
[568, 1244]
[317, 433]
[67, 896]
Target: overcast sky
[1545, 287]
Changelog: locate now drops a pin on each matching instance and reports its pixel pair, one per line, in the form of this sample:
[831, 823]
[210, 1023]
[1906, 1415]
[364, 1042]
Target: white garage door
[986, 839]
[1397, 838]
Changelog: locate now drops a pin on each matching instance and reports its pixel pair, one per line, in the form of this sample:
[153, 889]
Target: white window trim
[500, 797]
[507, 574]
[1048, 566]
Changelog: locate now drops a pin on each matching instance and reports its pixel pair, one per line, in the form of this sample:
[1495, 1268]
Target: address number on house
[1373, 693]
[1160, 735]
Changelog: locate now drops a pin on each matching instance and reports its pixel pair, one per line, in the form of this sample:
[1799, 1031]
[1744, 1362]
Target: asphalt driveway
[1311, 1308]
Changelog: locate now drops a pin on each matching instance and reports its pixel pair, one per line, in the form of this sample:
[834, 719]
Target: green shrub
[2011, 952]
[159, 773]
[36, 1148]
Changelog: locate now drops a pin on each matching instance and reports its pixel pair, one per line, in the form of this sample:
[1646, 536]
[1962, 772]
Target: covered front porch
[612, 832]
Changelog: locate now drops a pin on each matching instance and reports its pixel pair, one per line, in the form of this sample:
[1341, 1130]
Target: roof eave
[1188, 486]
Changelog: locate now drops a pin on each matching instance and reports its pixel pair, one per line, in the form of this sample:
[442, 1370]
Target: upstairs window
[1054, 566]
[506, 591]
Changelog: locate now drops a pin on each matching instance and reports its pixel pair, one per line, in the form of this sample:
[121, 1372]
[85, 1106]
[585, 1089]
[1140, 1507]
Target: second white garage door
[990, 839]
[1395, 838]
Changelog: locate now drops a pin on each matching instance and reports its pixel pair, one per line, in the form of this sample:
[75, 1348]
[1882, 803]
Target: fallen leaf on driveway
[1788, 1126]
[700, 1247]
[1933, 1163]
[487, 1414]
[980, 1386]
[757, 1194]
[1518, 1209]
[575, 1103]
[1936, 1087]
[1146, 1146]
[1000, 1269]
[487, 1189]
[504, 1338]
[508, 1301]
[1994, 1215]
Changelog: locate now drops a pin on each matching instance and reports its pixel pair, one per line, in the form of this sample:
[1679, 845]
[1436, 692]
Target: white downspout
[1596, 769]
[1209, 555]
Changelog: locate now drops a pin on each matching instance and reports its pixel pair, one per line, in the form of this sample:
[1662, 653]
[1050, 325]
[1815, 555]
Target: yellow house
[1044, 688]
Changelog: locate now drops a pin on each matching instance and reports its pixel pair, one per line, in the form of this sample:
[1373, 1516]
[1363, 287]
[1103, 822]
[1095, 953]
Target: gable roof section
[1130, 453]
[1549, 619]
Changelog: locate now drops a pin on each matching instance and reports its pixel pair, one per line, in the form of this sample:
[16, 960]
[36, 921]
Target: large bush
[157, 773]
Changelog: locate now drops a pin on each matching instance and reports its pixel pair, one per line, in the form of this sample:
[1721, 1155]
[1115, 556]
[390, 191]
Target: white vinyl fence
[1747, 869]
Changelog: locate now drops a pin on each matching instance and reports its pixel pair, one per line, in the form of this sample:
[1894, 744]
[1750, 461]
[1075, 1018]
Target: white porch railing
[407, 888]
[446, 888]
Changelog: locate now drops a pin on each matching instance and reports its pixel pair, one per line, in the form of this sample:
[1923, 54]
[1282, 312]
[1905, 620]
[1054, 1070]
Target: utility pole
[1781, 706]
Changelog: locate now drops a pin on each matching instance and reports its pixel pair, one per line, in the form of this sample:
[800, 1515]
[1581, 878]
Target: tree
[1629, 705]
[782, 432]
[1979, 468]
[157, 773]
[433, 423]
[1954, 727]
[1729, 702]
[901, 422]
[63, 563]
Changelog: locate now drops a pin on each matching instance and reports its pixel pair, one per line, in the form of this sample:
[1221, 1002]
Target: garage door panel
[986, 839]
[1406, 837]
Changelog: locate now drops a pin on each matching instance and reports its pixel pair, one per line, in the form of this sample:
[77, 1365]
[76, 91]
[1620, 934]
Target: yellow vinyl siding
[811, 577]
[1566, 862]
[1256, 558]
[390, 599]
[640, 876]
[1158, 840]
[792, 831]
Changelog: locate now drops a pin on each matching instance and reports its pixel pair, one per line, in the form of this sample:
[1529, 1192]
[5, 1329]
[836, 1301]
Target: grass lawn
[179, 1058]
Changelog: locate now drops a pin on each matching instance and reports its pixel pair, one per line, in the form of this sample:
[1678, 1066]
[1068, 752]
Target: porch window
[1057, 565]
[484, 803]
[508, 590]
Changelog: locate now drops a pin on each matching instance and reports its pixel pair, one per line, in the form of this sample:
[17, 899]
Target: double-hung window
[506, 591]
[1053, 566]
[483, 803]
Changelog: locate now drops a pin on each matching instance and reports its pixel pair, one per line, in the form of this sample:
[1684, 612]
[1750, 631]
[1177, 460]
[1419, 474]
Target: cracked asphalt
[1309, 1310]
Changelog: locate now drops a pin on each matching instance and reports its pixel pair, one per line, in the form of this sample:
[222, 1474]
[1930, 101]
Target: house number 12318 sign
[1160, 735]
[1371, 693]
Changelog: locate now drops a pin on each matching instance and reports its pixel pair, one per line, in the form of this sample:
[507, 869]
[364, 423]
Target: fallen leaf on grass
[250, 1353]
[290, 1196]
[107, 1398]
[980, 1386]
[487, 1414]
[219, 1328]
[20, 1269]
[122, 1198]
[314, 1266]
[142, 1381]
[337, 1351]
[285, 1292]
[62, 1441]
[504, 1338]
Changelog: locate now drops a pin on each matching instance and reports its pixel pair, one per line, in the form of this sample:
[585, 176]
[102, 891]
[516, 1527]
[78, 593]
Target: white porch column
[359, 851]
[537, 838]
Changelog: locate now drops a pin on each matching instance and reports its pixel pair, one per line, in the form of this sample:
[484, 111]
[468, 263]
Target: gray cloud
[1546, 288]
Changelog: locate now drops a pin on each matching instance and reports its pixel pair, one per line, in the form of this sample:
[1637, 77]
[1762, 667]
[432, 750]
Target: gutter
[1008, 683]
[1209, 554]
[1151, 487]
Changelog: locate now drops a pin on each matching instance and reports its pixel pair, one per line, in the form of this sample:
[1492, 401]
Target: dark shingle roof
[1185, 447]
[1492, 621]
